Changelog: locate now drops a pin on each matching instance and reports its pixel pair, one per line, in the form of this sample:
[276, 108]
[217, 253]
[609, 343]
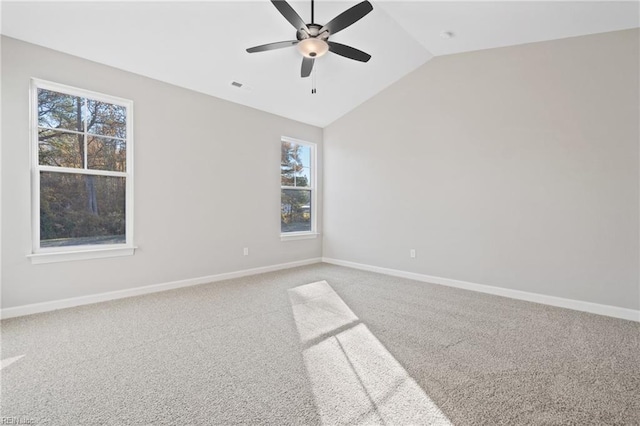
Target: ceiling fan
[313, 39]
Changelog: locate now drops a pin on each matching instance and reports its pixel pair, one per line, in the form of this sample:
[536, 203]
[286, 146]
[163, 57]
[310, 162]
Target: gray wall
[514, 167]
[206, 183]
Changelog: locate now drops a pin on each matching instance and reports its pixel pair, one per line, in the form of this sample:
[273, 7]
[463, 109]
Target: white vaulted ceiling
[201, 45]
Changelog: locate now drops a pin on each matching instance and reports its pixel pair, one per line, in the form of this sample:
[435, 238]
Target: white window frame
[60, 254]
[313, 233]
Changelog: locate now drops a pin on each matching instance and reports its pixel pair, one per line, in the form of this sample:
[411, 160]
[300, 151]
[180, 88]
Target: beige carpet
[320, 345]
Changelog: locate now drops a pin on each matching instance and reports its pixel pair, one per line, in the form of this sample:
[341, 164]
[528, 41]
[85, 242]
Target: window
[297, 193]
[82, 174]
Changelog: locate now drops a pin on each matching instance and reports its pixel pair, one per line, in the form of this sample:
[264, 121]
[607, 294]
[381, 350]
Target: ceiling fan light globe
[313, 47]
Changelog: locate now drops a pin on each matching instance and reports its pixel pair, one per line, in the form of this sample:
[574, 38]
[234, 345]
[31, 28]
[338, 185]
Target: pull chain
[314, 80]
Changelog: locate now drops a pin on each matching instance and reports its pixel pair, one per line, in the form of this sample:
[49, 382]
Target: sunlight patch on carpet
[7, 362]
[353, 376]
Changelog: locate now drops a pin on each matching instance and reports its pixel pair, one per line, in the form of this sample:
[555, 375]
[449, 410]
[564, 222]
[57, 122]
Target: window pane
[295, 210]
[59, 111]
[81, 209]
[106, 119]
[106, 154]
[60, 149]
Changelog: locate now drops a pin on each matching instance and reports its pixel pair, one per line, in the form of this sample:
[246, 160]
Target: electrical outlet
[246, 251]
[412, 253]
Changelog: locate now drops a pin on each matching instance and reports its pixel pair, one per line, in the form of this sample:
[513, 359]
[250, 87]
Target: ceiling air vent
[242, 86]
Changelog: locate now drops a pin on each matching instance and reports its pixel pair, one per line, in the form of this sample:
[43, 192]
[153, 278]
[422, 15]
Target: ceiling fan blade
[307, 66]
[272, 46]
[348, 52]
[347, 17]
[290, 15]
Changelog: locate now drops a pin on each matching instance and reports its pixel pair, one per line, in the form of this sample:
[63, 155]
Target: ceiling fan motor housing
[314, 31]
[313, 44]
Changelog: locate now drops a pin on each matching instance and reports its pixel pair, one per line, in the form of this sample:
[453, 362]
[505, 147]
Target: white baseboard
[35, 308]
[577, 305]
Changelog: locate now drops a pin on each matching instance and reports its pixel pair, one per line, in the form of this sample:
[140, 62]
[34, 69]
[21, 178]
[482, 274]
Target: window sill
[298, 236]
[64, 256]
